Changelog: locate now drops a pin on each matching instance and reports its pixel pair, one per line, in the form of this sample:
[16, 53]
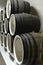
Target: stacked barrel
[20, 33]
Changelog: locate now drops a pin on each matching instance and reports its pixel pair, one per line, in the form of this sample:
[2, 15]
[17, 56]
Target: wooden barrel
[16, 6]
[22, 23]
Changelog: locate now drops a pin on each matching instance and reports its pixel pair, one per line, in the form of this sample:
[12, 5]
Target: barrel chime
[20, 33]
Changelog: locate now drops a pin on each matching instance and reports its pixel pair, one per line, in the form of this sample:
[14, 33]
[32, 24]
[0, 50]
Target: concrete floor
[2, 62]
[4, 56]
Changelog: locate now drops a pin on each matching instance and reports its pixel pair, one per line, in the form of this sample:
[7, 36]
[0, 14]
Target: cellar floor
[5, 58]
[2, 62]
